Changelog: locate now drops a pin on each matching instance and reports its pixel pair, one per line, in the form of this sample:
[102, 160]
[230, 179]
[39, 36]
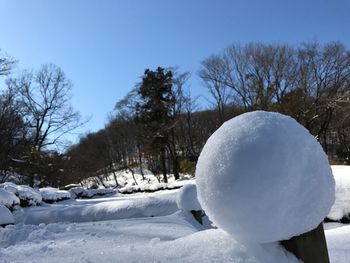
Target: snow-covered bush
[50, 194]
[150, 187]
[80, 192]
[77, 192]
[6, 216]
[262, 177]
[8, 199]
[186, 198]
[27, 195]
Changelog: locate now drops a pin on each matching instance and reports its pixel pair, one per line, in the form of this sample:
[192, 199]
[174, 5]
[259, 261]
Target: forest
[160, 126]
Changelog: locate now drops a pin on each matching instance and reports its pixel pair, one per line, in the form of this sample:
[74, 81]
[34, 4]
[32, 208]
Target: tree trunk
[115, 178]
[162, 156]
[140, 161]
[176, 167]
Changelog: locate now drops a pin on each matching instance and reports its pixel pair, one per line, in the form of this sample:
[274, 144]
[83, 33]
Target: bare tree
[46, 101]
[6, 65]
[214, 74]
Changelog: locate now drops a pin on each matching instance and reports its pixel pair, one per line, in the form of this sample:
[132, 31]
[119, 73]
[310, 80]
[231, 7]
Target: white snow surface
[5, 217]
[177, 237]
[186, 198]
[50, 194]
[98, 209]
[23, 192]
[338, 242]
[259, 172]
[341, 205]
[171, 238]
[8, 199]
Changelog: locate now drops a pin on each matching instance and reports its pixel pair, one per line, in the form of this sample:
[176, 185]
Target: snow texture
[99, 209]
[341, 207]
[173, 238]
[26, 194]
[177, 237]
[50, 194]
[5, 216]
[262, 177]
[8, 199]
[338, 243]
[186, 198]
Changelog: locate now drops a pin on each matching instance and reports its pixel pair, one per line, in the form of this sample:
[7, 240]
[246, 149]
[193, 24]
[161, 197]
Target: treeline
[35, 114]
[159, 126]
[311, 83]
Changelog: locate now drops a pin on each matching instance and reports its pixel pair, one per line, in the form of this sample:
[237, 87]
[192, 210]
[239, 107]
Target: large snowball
[263, 177]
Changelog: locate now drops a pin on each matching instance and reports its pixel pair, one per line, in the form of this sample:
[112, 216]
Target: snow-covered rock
[6, 216]
[80, 192]
[27, 195]
[186, 198]
[50, 194]
[8, 199]
[263, 177]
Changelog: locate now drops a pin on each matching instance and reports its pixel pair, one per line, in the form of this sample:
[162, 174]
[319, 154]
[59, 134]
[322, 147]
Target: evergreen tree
[153, 112]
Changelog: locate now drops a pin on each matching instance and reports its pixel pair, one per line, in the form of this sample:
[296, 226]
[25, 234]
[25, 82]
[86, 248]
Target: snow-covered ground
[145, 227]
[121, 228]
[170, 235]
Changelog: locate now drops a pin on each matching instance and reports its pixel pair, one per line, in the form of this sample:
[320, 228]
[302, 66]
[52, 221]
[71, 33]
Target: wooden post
[198, 215]
[310, 247]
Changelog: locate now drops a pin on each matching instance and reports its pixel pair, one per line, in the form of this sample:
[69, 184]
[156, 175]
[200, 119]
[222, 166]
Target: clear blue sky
[105, 45]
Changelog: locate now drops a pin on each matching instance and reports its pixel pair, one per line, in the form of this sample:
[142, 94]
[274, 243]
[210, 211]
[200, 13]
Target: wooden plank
[310, 247]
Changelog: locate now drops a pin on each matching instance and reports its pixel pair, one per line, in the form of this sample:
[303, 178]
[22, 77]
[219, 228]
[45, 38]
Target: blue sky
[104, 45]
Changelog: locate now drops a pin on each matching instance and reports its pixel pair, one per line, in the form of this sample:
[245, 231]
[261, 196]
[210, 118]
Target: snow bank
[5, 216]
[50, 194]
[27, 195]
[8, 199]
[341, 208]
[186, 198]
[263, 177]
[173, 238]
[80, 211]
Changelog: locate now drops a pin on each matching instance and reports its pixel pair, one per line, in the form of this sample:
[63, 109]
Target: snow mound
[341, 208]
[5, 216]
[99, 209]
[8, 199]
[259, 172]
[50, 194]
[27, 195]
[186, 198]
